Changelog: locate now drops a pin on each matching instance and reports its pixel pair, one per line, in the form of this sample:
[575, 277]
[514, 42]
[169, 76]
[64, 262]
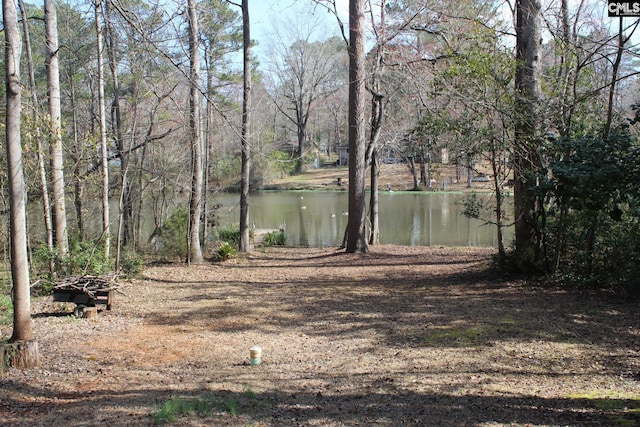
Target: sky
[262, 12]
[265, 13]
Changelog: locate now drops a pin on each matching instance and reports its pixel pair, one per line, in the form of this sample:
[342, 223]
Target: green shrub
[225, 251]
[229, 234]
[275, 238]
[281, 163]
[40, 259]
[173, 235]
[614, 259]
[589, 230]
[85, 257]
[131, 264]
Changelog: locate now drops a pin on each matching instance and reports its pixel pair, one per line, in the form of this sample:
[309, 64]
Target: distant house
[387, 155]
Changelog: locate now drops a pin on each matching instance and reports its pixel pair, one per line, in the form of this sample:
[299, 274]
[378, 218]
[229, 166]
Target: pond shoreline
[396, 177]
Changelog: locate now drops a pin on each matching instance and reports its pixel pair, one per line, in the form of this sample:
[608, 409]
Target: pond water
[319, 219]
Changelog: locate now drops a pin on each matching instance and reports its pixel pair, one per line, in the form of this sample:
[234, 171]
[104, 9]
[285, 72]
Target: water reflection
[320, 218]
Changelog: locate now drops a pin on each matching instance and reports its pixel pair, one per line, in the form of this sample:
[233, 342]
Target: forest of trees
[157, 106]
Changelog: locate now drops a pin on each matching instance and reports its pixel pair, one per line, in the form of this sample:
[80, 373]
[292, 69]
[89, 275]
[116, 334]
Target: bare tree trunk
[414, 173]
[42, 169]
[24, 349]
[104, 151]
[206, 179]
[495, 166]
[124, 235]
[423, 169]
[106, 226]
[208, 155]
[469, 170]
[195, 203]
[377, 116]
[141, 195]
[374, 214]
[565, 74]
[356, 235]
[77, 173]
[429, 169]
[246, 121]
[614, 78]
[560, 236]
[57, 161]
[302, 135]
[564, 71]
[528, 91]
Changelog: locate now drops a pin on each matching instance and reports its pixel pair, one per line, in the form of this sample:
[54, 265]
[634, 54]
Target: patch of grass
[508, 327]
[507, 320]
[249, 393]
[169, 411]
[275, 238]
[630, 418]
[623, 408]
[456, 336]
[490, 328]
[232, 406]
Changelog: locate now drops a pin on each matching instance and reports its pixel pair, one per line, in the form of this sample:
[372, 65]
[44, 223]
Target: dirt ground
[402, 336]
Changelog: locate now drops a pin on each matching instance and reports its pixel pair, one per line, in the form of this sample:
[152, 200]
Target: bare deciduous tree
[527, 128]
[55, 147]
[356, 234]
[305, 71]
[104, 149]
[245, 132]
[37, 134]
[22, 351]
[197, 178]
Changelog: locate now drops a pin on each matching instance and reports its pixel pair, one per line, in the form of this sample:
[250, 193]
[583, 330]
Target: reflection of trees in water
[424, 219]
[304, 237]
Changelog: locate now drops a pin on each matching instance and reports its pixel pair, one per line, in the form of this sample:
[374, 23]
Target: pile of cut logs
[89, 285]
[87, 292]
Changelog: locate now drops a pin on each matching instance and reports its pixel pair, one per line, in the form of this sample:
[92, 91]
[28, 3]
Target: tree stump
[21, 354]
